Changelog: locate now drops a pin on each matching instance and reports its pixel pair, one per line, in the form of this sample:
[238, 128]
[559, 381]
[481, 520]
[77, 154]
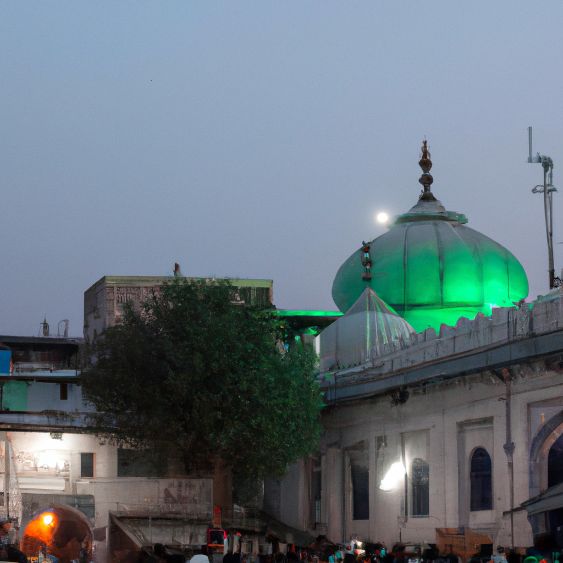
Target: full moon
[382, 217]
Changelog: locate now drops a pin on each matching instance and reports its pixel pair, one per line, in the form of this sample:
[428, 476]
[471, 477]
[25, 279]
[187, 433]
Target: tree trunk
[222, 485]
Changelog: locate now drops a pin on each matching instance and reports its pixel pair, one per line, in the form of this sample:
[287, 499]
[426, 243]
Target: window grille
[86, 465]
[420, 477]
[360, 492]
[481, 481]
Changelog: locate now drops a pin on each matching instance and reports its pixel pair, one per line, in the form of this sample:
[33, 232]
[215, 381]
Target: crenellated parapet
[500, 338]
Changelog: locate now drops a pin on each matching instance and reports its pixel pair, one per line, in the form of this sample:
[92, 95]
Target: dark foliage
[194, 375]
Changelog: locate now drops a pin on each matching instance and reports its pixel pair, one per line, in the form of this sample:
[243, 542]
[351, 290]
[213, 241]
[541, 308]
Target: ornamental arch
[541, 445]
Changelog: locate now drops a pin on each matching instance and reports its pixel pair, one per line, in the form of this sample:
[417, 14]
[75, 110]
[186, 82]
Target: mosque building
[444, 395]
[443, 421]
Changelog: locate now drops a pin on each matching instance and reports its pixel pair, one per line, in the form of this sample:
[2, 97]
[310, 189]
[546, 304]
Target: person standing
[8, 549]
[500, 556]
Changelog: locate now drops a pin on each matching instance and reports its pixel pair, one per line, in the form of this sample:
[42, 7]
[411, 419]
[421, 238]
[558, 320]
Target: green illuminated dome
[431, 268]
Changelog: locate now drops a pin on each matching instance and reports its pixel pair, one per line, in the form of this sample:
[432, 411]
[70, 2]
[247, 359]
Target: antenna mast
[547, 189]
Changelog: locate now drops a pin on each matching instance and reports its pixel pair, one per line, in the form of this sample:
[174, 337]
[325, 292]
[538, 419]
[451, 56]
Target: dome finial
[426, 179]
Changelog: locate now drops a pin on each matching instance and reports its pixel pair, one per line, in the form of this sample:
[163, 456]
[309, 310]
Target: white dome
[369, 329]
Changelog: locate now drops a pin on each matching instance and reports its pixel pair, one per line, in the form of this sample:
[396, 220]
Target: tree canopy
[194, 375]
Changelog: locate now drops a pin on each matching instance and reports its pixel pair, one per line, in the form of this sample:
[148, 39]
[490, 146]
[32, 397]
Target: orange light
[48, 519]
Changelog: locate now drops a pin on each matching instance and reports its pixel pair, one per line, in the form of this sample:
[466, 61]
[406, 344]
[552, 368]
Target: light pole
[547, 189]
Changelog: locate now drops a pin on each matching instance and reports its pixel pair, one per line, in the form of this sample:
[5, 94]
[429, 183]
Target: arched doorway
[62, 530]
[555, 477]
[546, 480]
[541, 445]
[555, 463]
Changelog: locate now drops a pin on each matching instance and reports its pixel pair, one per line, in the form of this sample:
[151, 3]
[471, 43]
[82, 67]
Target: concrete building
[104, 300]
[50, 465]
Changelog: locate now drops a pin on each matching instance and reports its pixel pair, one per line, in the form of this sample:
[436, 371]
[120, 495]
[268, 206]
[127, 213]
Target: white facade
[443, 426]
[484, 384]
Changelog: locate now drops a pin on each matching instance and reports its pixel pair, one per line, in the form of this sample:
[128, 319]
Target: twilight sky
[258, 138]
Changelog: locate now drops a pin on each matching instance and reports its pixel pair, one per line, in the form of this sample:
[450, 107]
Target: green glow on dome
[432, 270]
[306, 313]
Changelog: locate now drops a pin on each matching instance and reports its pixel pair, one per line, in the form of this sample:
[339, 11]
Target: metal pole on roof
[7, 476]
[547, 189]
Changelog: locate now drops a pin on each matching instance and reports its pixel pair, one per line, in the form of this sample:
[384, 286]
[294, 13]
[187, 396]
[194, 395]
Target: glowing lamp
[393, 477]
[48, 519]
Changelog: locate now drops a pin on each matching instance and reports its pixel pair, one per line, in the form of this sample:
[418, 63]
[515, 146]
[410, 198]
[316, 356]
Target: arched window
[359, 477]
[555, 463]
[360, 492]
[481, 480]
[420, 488]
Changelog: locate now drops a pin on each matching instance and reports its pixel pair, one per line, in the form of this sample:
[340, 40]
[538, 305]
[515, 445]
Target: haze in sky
[258, 139]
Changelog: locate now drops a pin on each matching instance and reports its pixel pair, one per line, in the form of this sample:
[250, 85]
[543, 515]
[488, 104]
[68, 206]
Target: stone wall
[48, 464]
[442, 423]
[505, 325]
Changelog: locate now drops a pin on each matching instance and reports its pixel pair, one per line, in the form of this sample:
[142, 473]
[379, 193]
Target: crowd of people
[374, 553]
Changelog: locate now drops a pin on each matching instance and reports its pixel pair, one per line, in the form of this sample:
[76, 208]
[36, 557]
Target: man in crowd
[8, 549]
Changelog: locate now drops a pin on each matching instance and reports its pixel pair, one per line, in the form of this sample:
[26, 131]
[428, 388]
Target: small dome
[431, 268]
[368, 329]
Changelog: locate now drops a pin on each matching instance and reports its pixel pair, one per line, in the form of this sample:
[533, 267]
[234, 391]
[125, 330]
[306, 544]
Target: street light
[394, 476]
[48, 519]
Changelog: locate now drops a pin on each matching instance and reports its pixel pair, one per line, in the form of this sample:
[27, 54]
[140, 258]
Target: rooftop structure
[43, 355]
[104, 300]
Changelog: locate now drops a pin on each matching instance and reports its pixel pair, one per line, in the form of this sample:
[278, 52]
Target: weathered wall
[443, 423]
[48, 464]
[20, 395]
[15, 395]
[141, 495]
[47, 396]
[293, 497]
[505, 325]
[105, 300]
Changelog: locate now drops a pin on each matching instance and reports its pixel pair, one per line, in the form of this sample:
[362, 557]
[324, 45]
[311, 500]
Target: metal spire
[426, 179]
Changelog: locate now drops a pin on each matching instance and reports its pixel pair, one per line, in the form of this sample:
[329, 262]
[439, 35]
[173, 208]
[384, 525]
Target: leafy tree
[196, 376]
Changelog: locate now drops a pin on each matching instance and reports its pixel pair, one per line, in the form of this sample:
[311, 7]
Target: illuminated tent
[367, 330]
[431, 268]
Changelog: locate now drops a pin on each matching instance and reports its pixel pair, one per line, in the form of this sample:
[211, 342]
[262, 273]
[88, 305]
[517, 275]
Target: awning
[551, 499]
[287, 534]
[100, 533]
